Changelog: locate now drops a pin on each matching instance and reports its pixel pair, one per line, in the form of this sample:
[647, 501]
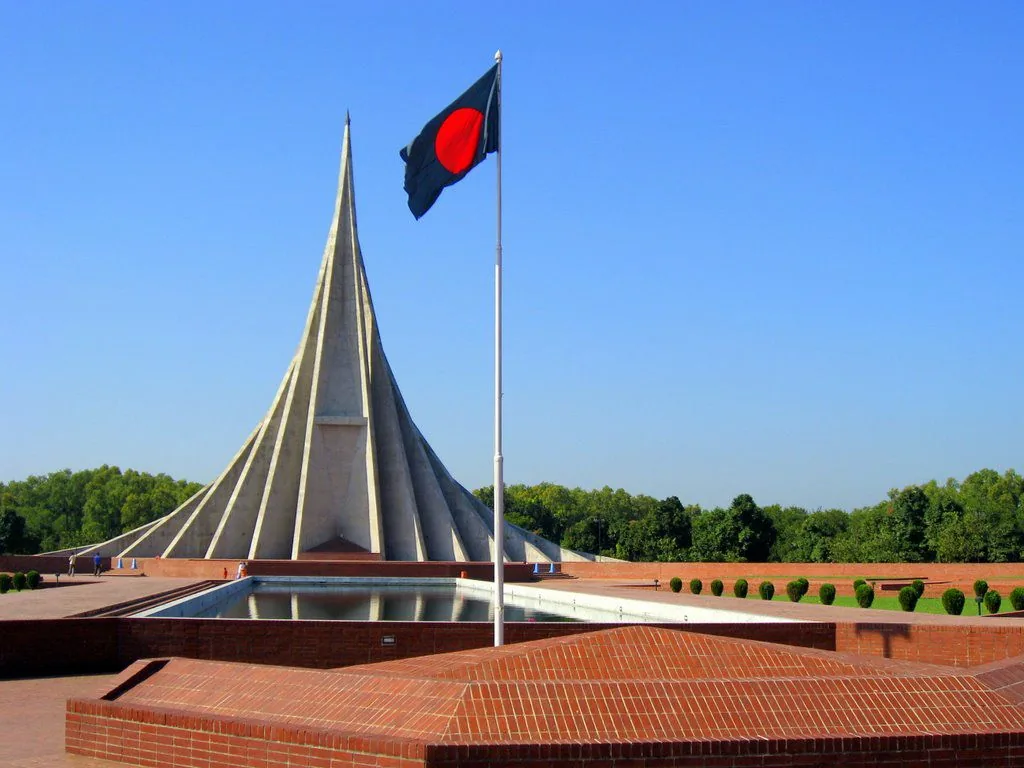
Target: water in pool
[369, 603]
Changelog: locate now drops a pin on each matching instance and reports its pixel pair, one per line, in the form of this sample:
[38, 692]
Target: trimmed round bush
[993, 600]
[20, 582]
[1017, 598]
[33, 578]
[865, 595]
[717, 587]
[740, 588]
[794, 591]
[766, 589]
[827, 594]
[696, 585]
[980, 588]
[918, 586]
[908, 598]
[5, 583]
[857, 583]
[804, 585]
[953, 601]
[675, 584]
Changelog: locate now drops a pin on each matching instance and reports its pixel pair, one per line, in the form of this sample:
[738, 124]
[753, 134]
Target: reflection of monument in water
[413, 602]
[337, 464]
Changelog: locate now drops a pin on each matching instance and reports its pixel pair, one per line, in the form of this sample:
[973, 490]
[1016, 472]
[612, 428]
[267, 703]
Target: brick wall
[324, 645]
[950, 645]
[43, 647]
[73, 646]
[199, 568]
[177, 739]
[949, 751]
[47, 565]
[480, 571]
[164, 737]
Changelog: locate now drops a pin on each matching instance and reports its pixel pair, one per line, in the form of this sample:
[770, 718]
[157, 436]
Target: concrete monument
[337, 463]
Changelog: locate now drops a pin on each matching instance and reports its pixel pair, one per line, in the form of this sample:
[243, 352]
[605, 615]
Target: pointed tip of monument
[346, 139]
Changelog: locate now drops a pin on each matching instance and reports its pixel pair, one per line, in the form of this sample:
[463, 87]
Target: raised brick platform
[635, 695]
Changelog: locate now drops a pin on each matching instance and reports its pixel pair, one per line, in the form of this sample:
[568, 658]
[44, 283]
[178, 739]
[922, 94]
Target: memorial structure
[337, 464]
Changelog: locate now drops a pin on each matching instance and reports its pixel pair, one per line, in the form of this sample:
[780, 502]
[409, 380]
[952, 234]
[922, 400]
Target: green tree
[816, 539]
[960, 540]
[944, 509]
[787, 522]
[714, 537]
[906, 523]
[869, 537]
[675, 522]
[66, 509]
[14, 537]
[638, 540]
[992, 502]
[756, 533]
[742, 533]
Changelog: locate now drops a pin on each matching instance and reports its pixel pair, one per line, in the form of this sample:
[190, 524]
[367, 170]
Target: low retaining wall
[480, 571]
[38, 648]
[169, 738]
[47, 565]
[73, 646]
[199, 568]
[46, 647]
[949, 645]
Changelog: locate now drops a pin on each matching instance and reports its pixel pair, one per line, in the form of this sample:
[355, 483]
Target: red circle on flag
[458, 138]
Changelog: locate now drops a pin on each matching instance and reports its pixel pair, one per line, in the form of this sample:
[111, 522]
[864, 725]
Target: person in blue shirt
[96, 564]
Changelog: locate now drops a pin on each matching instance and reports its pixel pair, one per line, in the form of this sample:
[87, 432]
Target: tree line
[978, 519]
[71, 509]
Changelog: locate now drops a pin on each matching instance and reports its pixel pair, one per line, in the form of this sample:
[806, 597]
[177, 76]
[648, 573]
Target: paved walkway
[32, 721]
[81, 593]
[642, 590]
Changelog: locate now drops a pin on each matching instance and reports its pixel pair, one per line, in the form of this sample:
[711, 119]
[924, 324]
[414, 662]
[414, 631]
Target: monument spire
[337, 463]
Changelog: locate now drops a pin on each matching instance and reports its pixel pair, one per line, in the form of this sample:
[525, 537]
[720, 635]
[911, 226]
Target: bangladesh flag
[451, 144]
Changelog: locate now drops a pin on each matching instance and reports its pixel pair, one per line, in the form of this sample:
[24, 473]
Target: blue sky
[749, 247]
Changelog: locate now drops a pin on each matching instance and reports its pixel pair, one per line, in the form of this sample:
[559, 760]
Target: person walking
[71, 563]
[96, 561]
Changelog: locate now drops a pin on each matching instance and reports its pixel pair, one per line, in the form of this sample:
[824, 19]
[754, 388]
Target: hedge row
[19, 581]
[953, 600]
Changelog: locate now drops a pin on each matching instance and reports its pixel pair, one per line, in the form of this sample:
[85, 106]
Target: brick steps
[142, 603]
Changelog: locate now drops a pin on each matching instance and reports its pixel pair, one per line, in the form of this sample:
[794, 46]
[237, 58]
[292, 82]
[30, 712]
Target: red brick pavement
[81, 593]
[32, 721]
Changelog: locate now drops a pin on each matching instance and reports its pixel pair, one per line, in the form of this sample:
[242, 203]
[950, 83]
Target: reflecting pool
[366, 603]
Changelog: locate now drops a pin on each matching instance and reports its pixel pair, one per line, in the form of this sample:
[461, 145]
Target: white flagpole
[499, 483]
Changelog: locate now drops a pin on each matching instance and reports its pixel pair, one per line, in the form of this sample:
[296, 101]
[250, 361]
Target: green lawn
[924, 605]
